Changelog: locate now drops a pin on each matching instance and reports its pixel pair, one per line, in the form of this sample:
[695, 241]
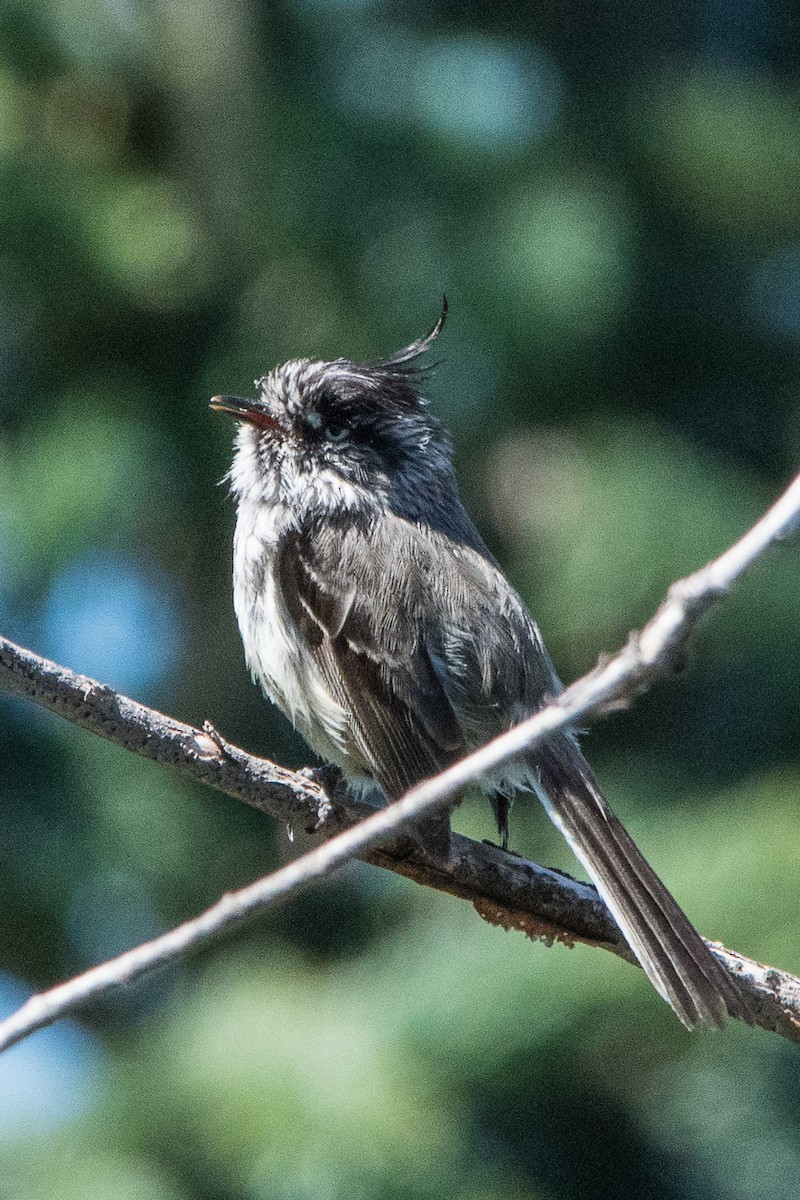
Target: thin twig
[615, 682]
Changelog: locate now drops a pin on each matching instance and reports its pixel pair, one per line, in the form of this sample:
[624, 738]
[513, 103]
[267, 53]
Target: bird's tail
[675, 958]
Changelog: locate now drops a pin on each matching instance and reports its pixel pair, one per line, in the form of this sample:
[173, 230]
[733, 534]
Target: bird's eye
[335, 432]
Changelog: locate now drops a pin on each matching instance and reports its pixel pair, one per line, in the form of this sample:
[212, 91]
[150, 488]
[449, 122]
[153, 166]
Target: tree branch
[504, 889]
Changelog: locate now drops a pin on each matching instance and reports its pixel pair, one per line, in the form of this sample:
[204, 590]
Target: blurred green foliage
[190, 192]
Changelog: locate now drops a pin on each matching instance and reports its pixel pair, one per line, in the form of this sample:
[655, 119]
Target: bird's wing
[425, 643]
[357, 595]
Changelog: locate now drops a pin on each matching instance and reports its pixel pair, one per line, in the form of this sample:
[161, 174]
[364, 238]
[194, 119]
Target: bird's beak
[245, 409]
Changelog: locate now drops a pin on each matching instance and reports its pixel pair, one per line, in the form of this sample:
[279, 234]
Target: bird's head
[337, 431]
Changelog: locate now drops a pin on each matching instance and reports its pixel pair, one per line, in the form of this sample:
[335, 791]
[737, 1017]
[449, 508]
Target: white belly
[275, 654]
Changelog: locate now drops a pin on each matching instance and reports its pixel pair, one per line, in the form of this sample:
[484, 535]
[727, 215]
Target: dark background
[191, 191]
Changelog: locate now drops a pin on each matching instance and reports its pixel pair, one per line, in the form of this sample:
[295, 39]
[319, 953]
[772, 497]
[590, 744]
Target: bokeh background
[191, 191]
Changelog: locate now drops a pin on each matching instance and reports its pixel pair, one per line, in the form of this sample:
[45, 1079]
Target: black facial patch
[362, 419]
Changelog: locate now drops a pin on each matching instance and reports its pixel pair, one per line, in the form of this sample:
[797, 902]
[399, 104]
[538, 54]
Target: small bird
[374, 616]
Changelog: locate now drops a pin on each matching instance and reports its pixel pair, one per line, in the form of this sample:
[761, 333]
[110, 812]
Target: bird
[374, 616]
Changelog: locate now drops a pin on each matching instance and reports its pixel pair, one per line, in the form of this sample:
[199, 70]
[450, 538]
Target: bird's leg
[501, 807]
[432, 832]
